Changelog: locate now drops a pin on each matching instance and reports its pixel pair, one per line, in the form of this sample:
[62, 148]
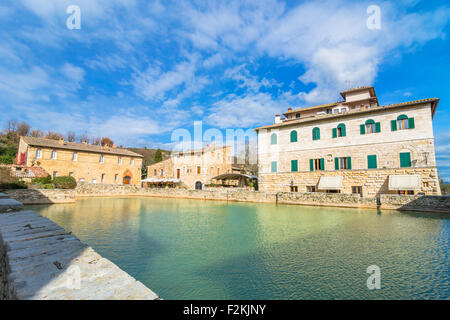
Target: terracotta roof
[434, 102]
[50, 143]
[313, 107]
[357, 89]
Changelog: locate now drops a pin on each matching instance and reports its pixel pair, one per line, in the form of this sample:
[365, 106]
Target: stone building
[84, 162]
[194, 168]
[351, 146]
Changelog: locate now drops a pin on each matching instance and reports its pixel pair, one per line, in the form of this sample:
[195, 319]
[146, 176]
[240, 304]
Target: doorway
[198, 185]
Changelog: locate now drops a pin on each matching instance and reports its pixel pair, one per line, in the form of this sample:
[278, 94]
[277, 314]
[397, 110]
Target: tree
[84, 137]
[53, 135]
[23, 129]
[71, 136]
[11, 126]
[158, 156]
[107, 142]
[97, 141]
[37, 134]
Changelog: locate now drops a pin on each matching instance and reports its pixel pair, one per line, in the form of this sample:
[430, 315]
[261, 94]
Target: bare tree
[84, 137]
[53, 135]
[23, 129]
[37, 134]
[97, 141]
[11, 126]
[71, 136]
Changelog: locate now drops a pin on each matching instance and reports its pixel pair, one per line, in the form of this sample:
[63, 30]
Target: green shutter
[322, 164]
[311, 164]
[377, 127]
[336, 163]
[411, 123]
[349, 163]
[372, 162]
[334, 133]
[294, 165]
[293, 136]
[344, 133]
[316, 134]
[405, 160]
[362, 129]
[393, 125]
[274, 166]
[273, 138]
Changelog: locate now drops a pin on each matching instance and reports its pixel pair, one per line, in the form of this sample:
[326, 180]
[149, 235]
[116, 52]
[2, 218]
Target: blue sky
[137, 70]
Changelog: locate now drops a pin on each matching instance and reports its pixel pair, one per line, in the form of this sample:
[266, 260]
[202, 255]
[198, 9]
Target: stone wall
[42, 196]
[415, 203]
[373, 182]
[327, 199]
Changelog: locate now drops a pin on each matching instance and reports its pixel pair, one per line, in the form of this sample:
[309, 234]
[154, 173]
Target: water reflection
[191, 249]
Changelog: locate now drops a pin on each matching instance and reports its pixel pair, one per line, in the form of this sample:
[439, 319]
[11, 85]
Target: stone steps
[8, 205]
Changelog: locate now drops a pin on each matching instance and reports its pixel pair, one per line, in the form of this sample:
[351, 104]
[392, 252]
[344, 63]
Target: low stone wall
[42, 196]
[102, 190]
[415, 203]
[327, 199]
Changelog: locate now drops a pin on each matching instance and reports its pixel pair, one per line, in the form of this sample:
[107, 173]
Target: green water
[192, 249]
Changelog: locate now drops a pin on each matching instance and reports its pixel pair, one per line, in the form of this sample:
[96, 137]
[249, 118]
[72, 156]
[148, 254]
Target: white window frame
[75, 156]
[54, 155]
[38, 153]
[102, 158]
[119, 160]
[131, 162]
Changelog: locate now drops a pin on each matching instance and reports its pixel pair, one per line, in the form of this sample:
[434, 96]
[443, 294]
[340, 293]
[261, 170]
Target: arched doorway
[127, 176]
[198, 185]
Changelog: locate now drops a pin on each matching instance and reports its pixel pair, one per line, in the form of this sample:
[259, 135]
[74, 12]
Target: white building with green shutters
[351, 146]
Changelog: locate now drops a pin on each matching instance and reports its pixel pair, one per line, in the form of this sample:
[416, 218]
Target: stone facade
[84, 162]
[367, 137]
[194, 167]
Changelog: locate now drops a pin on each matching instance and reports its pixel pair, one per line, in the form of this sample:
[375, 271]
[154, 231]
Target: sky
[135, 71]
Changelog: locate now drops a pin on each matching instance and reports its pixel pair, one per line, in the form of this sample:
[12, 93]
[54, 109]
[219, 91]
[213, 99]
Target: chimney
[114, 146]
[84, 141]
[61, 141]
[289, 109]
[277, 118]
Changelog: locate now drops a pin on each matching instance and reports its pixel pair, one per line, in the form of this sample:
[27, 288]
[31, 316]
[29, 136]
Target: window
[273, 138]
[294, 189]
[154, 172]
[103, 178]
[198, 170]
[357, 190]
[370, 127]
[402, 123]
[405, 160]
[131, 162]
[94, 180]
[120, 160]
[116, 177]
[372, 161]
[53, 155]
[316, 164]
[70, 174]
[54, 174]
[316, 133]
[81, 180]
[342, 163]
[294, 165]
[293, 136]
[297, 116]
[339, 131]
[38, 153]
[273, 166]
[102, 159]
[162, 172]
[75, 156]
[311, 189]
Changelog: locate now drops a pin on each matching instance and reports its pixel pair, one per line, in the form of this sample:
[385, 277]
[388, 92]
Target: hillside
[149, 155]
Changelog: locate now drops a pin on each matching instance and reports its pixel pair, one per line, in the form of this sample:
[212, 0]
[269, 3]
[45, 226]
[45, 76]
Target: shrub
[65, 182]
[47, 186]
[44, 180]
[13, 185]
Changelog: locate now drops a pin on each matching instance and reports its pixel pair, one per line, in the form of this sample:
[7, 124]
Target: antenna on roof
[350, 84]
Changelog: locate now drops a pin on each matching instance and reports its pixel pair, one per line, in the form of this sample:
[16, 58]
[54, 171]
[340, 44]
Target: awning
[236, 176]
[404, 182]
[330, 183]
